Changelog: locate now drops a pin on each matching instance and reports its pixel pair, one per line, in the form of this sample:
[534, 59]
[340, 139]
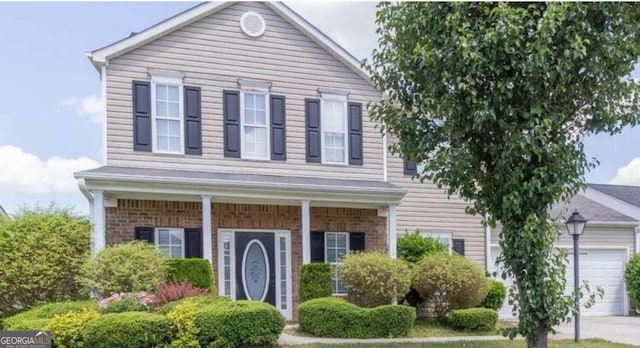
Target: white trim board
[100, 56]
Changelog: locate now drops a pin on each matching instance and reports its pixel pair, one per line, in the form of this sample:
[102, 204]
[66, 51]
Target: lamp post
[575, 226]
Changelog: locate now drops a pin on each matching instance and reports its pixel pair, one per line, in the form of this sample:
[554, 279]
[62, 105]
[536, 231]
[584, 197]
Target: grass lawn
[430, 328]
[484, 344]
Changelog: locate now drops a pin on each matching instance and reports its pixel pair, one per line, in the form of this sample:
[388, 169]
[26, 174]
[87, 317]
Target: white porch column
[99, 237]
[392, 231]
[306, 232]
[207, 242]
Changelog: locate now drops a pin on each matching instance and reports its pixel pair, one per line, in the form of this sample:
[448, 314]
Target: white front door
[600, 267]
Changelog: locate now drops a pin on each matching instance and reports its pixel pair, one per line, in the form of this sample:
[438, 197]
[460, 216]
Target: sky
[51, 110]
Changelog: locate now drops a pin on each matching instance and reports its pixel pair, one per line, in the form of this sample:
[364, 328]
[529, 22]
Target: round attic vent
[252, 24]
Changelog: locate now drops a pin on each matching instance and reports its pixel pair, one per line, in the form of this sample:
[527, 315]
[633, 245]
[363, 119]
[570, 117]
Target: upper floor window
[255, 125]
[167, 112]
[334, 129]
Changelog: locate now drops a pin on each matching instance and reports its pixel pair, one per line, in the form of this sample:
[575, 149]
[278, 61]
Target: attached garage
[600, 267]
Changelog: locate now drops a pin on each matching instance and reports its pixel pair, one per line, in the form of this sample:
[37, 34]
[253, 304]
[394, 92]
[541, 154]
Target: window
[171, 242]
[445, 238]
[255, 125]
[167, 110]
[334, 129]
[336, 246]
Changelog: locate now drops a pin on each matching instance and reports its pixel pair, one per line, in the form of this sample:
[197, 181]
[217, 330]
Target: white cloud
[90, 107]
[27, 173]
[629, 174]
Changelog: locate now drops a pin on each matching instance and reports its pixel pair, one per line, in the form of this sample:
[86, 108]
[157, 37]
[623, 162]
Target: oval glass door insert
[255, 271]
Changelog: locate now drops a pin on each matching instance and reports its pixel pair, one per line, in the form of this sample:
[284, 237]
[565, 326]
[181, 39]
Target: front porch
[225, 222]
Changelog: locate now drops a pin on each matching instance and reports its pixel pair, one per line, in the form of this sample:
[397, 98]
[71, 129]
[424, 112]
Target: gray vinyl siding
[213, 53]
[427, 207]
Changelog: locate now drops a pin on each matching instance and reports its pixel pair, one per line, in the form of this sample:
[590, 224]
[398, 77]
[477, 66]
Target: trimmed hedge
[315, 281]
[239, 324]
[335, 317]
[496, 295]
[194, 270]
[198, 301]
[474, 319]
[37, 317]
[129, 329]
[67, 329]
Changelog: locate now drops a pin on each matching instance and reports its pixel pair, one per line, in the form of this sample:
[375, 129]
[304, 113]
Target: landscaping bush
[130, 267]
[373, 278]
[450, 282]
[315, 281]
[185, 331]
[127, 302]
[632, 278]
[196, 271]
[46, 312]
[171, 292]
[131, 330]
[67, 329]
[474, 319]
[496, 295]
[335, 317]
[28, 325]
[239, 324]
[41, 253]
[199, 302]
[412, 247]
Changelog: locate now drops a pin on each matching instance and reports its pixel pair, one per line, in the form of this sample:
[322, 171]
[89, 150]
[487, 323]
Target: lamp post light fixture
[575, 226]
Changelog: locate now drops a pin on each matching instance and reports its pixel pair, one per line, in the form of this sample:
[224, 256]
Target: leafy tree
[495, 99]
[41, 253]
[412, 247]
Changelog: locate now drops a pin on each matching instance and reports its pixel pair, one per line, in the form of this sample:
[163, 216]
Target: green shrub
[412, 247]
[127, 302]
[373, 278]
[450, 282]
[28, 325]
[130, 329]
[496, 295]
[185, 331]
[67, 329]
[129, 267]
[335, 317]
[196, 271]
[48, 311]
[474, 319]
[632, 278]
[239, 324]
[199, 301]
[315, 281]
[41, 253]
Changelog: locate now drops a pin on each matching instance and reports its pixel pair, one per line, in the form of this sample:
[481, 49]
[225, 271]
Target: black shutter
[410, 168]
[312, 125]
[192, 121]
[144, 233]
[458, 246]
[193, 242]
[141, 93]
[231, 110]
[355, 133]
[317, 246]
[278, 132]
[356, 241]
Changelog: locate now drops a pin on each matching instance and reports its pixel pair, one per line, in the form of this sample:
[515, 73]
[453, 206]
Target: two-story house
[238, 132]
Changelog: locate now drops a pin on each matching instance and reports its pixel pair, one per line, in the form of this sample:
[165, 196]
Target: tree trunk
[540, 338]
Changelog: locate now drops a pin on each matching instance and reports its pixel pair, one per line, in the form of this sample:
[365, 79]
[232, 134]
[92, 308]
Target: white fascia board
[613, 203]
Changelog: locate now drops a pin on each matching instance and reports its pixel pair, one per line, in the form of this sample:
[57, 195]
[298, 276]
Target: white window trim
[333, 98]
[267, 114]
[169, 79]
[171, 229]
[326, 234]
[440, 235]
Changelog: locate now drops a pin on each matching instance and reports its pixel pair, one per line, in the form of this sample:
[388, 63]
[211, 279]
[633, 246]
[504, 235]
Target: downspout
[384, 157]
[487, 243]
[637, 244]
[103, 97]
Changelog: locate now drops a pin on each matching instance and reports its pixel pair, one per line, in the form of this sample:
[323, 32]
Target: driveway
[614, 329]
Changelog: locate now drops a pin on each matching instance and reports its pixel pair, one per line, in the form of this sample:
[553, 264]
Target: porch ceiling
[127, 182]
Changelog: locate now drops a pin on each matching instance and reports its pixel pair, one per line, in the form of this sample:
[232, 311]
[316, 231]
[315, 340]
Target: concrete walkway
[615, 329]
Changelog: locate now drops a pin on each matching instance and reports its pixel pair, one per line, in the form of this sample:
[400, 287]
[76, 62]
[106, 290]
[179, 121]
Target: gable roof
[591, 210]
[628, 194]
[3, 212]
[101, 56]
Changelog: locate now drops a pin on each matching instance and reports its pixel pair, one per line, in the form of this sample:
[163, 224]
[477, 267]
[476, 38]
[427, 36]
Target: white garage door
[604, 268]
